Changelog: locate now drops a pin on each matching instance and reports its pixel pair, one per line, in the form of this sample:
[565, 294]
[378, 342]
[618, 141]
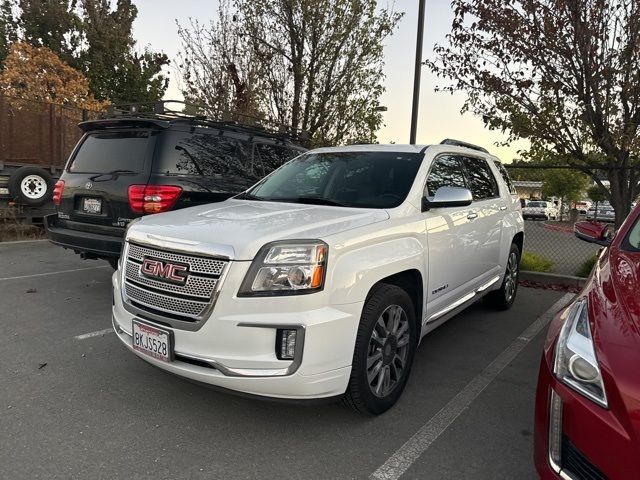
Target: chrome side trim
[451, 307]
[482, 288]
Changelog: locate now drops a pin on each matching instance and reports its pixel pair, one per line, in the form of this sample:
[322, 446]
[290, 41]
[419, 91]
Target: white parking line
[408, 453]
[53, 273]
[99, 333]
[17, 242]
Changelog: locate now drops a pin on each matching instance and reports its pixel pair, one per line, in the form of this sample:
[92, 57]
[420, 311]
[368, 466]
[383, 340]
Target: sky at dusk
[439, 112]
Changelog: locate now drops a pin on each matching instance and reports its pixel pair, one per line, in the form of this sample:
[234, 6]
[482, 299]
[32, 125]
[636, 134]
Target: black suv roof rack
[459, 143]
[158, 110]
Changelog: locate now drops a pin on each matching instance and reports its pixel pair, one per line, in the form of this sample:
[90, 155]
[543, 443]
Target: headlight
[576, 364]
[287, 268]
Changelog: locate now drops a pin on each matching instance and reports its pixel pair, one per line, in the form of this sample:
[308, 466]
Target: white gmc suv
[321, 279]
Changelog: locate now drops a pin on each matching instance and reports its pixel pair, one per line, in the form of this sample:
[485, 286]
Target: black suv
[129, 166]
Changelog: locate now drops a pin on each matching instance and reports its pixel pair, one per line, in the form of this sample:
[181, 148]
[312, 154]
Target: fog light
[286, 344]
[555, 430]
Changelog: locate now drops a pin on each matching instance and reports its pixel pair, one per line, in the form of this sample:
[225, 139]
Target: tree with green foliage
[50, 23]
[564, 74]
[311, 65]
[597, 196]
[7, 29]
[567, 185]
[110, 61]
[93, 36]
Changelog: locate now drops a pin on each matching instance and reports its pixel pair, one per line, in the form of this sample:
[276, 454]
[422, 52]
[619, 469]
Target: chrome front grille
[190, 301]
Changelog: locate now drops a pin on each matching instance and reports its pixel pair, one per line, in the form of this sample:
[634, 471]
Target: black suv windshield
[105, 152]
[350, 179]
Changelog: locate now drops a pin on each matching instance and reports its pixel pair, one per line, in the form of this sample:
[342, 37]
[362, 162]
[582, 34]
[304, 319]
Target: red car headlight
[575, 362]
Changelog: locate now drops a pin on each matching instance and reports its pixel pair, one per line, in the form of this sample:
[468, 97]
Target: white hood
[239, 228]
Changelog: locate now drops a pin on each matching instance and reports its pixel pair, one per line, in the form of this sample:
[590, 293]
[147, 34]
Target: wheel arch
[410, 281]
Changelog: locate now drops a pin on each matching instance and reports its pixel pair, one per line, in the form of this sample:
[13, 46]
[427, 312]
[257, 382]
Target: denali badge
[172, 272]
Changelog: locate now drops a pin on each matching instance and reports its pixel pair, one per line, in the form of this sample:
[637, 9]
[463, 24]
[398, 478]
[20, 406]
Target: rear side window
[505, 177]
[269, 157]
[201, 154]
[104, 152]
[206, 154]
[481, 180]
[446, 171]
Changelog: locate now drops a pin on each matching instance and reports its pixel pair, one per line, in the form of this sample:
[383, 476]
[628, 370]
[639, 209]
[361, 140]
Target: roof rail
[459, 143]
[159, 110]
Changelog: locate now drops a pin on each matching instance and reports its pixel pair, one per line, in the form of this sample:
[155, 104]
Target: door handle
[503, 207]
[472, 216]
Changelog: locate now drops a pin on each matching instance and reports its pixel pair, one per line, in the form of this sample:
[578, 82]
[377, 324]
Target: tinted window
[206, 154]
[446, 171]
[633, 239]
[505, 177]
[106, 152]
[353, 179]
[202, 154]
[269, 157]
[481, 180]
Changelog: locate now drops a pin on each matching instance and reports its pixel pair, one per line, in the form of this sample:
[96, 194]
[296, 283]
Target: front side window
[446, 171]
[104, 152]
[481, 180]
[351, 179]
[633, 238]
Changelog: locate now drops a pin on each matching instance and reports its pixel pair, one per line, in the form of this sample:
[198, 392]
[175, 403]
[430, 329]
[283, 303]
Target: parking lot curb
[553, 279]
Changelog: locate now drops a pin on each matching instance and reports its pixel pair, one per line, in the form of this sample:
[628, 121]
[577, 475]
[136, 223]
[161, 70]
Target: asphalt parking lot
[75, 404]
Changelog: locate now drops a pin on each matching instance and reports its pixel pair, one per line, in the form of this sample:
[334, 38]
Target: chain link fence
[550, 243]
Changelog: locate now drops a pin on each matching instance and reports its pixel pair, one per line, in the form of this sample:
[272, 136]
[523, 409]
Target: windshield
[111, 151]
[350, 179]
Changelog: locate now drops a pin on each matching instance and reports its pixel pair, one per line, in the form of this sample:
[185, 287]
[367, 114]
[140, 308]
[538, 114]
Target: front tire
[384, 351]
[503, 298]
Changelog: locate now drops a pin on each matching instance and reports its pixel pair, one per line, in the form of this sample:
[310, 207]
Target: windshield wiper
[113, 174]
[247, 196]
[308, 200]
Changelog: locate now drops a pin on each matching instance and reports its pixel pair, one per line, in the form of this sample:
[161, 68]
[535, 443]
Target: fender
[357, 270]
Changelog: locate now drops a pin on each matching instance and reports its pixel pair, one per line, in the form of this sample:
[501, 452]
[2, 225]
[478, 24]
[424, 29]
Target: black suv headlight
[287, 268]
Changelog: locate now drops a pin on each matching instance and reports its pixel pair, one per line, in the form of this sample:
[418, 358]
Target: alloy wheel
[388, 351]
[511, 277]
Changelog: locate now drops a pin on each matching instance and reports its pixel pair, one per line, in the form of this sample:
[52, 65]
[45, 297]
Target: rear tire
[31, 186]
[384, 350]
[503, 298]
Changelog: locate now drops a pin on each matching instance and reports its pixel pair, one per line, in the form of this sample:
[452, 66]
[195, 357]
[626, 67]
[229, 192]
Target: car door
[450, 236]
[488, 209]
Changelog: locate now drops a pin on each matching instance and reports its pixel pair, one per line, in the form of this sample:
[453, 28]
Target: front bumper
[595, 444]
[235, 347]
[96, 244]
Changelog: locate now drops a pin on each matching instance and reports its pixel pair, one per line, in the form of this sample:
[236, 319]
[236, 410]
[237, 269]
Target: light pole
[416, 75]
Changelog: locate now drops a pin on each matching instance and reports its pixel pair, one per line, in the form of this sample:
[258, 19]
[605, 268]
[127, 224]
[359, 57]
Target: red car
[587, 422]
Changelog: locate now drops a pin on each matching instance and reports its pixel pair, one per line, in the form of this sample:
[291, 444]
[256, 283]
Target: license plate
[152, 341]
[4, 191]
[91, 205]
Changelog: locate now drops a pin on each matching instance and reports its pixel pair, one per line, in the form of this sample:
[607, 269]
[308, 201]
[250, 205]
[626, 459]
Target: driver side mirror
[594, 232]
[448, 197]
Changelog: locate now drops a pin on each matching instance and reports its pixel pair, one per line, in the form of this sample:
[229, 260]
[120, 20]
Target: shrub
[587, 266]
[533, 262]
